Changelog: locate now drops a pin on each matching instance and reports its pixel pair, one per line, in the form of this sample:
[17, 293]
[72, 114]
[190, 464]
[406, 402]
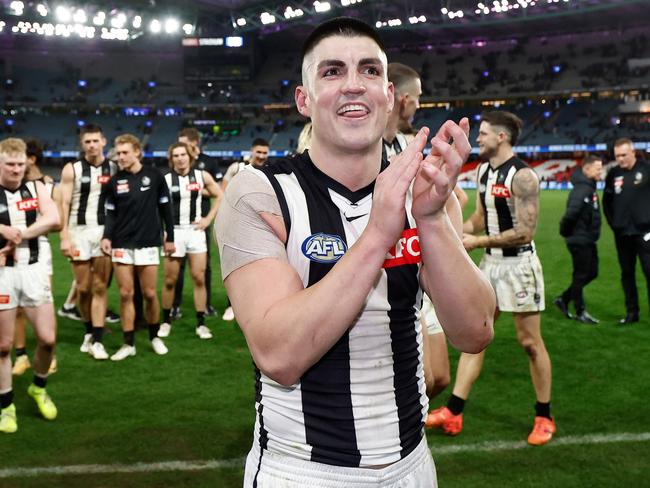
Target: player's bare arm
[284, 325]
[48, 218]
[212, 190]
[67, 184]
[462, 297]
[525, 188]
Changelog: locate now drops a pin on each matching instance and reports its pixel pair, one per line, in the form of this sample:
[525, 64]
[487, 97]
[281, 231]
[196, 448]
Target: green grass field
[196, 403]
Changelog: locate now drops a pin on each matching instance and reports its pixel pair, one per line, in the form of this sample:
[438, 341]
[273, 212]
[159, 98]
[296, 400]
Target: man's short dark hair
[591, 159]
[400, 74]
[509, 121]
[90, 129]
[260, 142]
[622, 141]
[35, 149]
[340, 26]
[191, 133]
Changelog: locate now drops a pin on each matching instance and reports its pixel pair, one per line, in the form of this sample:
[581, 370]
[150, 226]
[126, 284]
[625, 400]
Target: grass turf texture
[196, 403]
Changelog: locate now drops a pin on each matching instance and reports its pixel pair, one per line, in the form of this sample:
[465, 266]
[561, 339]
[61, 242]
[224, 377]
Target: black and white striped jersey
[19, 208]
[391, 149]
[495, 190]
[363, 403]
[186, 196]
[89, 192]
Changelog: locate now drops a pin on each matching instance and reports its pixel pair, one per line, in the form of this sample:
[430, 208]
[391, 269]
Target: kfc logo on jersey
[193, 187]
[324, 248]
[27, 205]
[500, 191]
[122, 188]
[103, 179]
[406, 251]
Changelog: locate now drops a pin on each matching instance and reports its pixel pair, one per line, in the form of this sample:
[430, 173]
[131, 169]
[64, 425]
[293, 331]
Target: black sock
[98, 334]
[89, 327]
[543, 409]
[167, 315]
[456, 404]
[40, 381]
[129, 337]
[153, 331]
[6, 399]
[20, 351]
[200, 319]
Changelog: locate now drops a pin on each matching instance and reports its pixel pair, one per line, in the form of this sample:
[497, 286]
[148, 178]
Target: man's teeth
[351, 108]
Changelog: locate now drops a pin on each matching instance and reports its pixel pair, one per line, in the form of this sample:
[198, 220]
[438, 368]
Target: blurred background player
[132, 238]
[187, 184]
[580, 227]
[26, 212]
[258, 158]
[507, 205]
[203, 162]
[83, 194]
[33, 173]
[626, 204]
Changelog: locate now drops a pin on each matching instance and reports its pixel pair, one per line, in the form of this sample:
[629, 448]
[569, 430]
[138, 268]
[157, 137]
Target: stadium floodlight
[2, 25]
[267, 18]
[321, 7]
[82, 83]
[155, 26]
[137, 22]
[347, 3]
[290, 13]
[241, 21]
[172, 25]
[188, 29]
[119, 20]
[79, 16]
[63, 13]
[42, 10]
[99, 18]
[17, 7]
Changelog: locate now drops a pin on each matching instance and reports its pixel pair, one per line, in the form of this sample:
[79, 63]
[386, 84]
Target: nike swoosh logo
[145, 188]
[350, 219]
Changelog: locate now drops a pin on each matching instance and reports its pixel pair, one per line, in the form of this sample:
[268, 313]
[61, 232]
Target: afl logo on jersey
[175, 188]
[85, 179]
[324, 248]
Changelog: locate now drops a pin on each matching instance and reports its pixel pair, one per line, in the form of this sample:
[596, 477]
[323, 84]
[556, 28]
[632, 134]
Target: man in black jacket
[626, 204]
[580, 227]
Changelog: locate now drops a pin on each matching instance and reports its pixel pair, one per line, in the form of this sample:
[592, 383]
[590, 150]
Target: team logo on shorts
[118, 253]
[324, 248]
[406, 250]
[4, 299]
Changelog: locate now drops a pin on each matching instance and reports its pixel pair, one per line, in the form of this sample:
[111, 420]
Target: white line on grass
[239, 462]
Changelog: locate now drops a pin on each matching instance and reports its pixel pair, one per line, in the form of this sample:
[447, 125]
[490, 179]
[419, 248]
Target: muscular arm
[476, 222]
[215, 192]
[48, 218]
[525, 189]
[56, 196]
[67, 184]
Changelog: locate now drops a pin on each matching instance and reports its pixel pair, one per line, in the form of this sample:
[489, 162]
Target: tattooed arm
[525, 188]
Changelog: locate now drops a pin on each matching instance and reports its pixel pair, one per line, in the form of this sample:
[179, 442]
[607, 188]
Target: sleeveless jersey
[394, 148]
[363, 403]
[19, 208]
[89, 192]
[186, 196]
[495, 189]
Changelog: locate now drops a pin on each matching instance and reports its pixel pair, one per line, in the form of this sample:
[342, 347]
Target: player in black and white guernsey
[187, 185]
[331, 237]
[83, 194]
[203, 162]
[34, 173]
[138, 210]
[26, 212]
[507, 206]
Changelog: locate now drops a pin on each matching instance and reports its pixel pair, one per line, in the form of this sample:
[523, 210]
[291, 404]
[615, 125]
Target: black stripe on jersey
[176, 198]
[84, 192]
[5, 220]
[194, 195]
[263, 434]
[30, 218]
[282, 200]
[101, 210]
[329, 419]
[403, 286]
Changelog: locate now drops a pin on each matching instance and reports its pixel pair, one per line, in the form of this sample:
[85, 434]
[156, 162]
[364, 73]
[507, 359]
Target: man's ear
[391, 96]
[303, 101]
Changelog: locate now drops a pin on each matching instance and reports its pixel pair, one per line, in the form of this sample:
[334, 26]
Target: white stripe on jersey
[185, 193]
[96, 186]
[17, 205]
